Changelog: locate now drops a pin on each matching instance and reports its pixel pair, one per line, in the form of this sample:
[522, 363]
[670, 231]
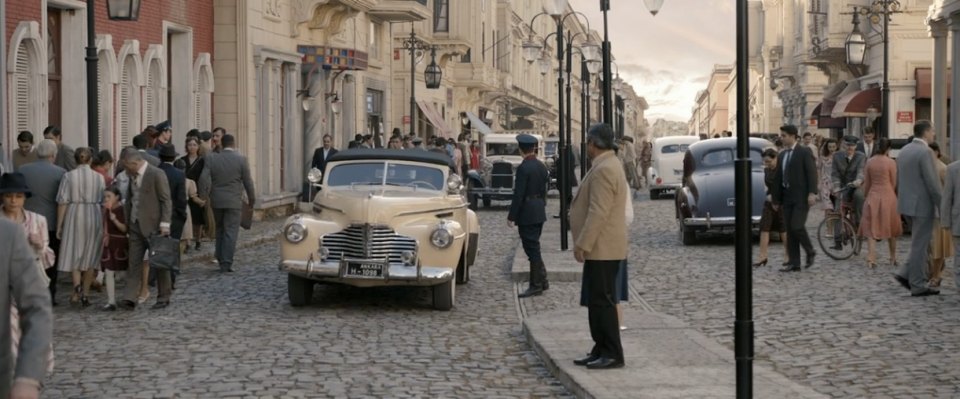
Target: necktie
[786, 165]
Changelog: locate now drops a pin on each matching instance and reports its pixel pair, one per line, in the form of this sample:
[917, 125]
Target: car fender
[474, 177]
[686, 203]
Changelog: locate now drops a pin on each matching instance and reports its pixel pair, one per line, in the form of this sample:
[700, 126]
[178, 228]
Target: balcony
[401, 10]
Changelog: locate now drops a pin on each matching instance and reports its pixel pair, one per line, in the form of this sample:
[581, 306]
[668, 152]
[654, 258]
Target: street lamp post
[117, 10]
[856, 46]
[743, 287]
[432, 74]
[654, 7]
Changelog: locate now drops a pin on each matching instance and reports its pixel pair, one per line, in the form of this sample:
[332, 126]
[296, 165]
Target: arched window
[106, 76]
[152, 100]
[128, 101]
[202, 93]
[26, 73]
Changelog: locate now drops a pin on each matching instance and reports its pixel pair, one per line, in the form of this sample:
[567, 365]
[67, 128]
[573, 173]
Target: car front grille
[501, 176]
[367, 242]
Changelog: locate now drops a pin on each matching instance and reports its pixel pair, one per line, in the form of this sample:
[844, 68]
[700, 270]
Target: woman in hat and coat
[80, 224]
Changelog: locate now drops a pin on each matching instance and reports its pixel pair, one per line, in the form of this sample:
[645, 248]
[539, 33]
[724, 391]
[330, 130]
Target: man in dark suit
[869, 145]
[178, 189]
[847, 175]
[229, 175]
[21, 376]
[795, 189]
[322, 154]
[140, 141]
[148, 211]
[528, 211]
[357, 141]
[44, 179]
[65, 158]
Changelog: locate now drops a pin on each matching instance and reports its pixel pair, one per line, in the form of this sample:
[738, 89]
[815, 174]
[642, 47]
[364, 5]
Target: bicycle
[848, 243]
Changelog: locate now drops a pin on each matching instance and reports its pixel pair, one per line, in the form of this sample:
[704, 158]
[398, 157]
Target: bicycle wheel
[837, 245]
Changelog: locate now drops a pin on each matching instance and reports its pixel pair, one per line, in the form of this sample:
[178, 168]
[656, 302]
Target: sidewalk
[261, 232]
[665, 357]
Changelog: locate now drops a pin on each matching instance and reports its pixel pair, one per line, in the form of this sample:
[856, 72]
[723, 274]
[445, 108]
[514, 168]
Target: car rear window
[674, 148]
[724, 156]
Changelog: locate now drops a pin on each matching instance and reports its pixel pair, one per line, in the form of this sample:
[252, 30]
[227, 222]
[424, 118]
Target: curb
[568, 382]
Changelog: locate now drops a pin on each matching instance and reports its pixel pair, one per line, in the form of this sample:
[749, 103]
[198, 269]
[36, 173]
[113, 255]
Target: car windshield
[550, 148]
[673, 148]
[385, 174]
[503, 149]
[725, 156]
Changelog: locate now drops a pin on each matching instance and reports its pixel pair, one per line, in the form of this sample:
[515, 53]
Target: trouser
[52, 271]
[139, 244]
[795, 216]
[956, 261]
[857, 198]
[915, 269]
[228, 228]
[601, 279]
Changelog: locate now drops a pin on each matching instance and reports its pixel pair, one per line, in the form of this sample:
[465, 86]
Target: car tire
[487, 201]
[299, 290]
[687, 236]
[654, 194]
[444, 295]
[463, 271]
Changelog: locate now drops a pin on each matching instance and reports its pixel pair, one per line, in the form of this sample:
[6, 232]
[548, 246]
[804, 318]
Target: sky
[668, 58]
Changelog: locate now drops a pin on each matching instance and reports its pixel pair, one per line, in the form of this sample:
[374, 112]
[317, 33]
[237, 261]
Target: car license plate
[731, 202]
[365, 270]
[677, 172]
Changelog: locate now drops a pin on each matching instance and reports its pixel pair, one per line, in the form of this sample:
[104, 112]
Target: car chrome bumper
[668, 186]
[709, 222]
[336, 271]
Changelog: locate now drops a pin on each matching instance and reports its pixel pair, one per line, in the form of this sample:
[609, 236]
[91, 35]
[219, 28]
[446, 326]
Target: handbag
[246, 216]
[164, 253]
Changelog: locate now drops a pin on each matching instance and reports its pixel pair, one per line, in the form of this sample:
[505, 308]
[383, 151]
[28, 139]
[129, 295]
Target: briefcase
[164, 253]
[246, 216]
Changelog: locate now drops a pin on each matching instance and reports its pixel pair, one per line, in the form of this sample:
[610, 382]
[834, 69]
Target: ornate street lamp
[653, 6]
[433, 75]
[531, 49]
[555, 7]
[856, 44]
[879, 11]
[593, 67]
[544, 63]
[117, 10]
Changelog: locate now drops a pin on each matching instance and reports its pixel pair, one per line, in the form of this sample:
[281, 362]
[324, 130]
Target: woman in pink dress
[880, 220]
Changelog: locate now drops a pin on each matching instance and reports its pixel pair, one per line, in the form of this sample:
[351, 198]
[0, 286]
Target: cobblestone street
[236, 335]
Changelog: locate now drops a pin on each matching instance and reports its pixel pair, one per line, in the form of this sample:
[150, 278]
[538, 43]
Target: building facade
[150, 70]
[711, 109]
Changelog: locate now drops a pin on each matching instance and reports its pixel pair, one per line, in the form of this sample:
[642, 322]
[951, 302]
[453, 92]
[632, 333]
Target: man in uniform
[528, 211]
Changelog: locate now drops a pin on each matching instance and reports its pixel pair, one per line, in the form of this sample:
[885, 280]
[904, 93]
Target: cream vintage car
[382, 218]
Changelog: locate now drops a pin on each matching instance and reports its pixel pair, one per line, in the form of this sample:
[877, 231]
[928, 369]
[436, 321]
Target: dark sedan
[706, 200]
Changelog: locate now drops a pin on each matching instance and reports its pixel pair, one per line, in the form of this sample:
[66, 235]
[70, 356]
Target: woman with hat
[80, 224]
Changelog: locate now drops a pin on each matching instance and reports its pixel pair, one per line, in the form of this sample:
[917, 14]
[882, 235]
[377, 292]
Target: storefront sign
[904, 116]
[406, 119]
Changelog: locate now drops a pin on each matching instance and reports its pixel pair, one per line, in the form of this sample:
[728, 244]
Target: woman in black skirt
[192, 166]
[771, 219]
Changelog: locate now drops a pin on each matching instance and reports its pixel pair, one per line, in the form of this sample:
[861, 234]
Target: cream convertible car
[382, 217]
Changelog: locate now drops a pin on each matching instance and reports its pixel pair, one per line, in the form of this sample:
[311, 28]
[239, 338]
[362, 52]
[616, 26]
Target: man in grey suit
[148, 208]
[919, 197]
[229, 176]
[65, 158]
[44, 179]
[22, 282]
[140, 142]
[950, 212]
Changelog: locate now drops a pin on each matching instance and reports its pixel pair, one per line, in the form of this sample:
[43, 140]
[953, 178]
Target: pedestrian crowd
[93, 216]
[861, 177]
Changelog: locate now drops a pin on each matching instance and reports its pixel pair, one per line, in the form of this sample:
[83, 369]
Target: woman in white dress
[80, 224]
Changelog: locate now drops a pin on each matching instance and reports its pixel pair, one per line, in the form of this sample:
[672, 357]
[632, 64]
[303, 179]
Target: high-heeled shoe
[84, 301]
[760, 263]
[75, 298]
[871, 264]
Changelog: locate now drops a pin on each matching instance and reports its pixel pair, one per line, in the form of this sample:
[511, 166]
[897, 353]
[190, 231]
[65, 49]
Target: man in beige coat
[600, 239]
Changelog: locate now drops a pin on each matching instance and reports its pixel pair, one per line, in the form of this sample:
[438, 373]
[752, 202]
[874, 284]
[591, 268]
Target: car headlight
[295, 232]
[409, 258]
[454, 183]
[441, 237]
[315, 176]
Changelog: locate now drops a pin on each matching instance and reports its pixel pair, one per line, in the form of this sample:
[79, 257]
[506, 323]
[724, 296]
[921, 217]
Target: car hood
[385, 206]
[714, 192]
[515, 160]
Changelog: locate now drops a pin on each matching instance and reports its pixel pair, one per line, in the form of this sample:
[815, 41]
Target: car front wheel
[687, 235]
[299, 290]
[444, 295]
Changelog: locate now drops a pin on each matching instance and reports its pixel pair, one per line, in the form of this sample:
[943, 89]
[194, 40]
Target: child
[114, 243]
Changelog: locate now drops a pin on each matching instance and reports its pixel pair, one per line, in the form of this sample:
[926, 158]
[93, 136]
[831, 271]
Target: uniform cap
[848, 139]
[165, 125]
[526, 140]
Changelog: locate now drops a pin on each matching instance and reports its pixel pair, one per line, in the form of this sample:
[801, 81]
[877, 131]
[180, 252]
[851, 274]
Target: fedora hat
[14, 183]
[168, 151]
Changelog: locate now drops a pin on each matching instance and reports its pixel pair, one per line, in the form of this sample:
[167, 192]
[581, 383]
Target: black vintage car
[706, 200]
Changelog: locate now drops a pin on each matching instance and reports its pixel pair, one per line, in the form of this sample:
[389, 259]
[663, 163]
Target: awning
[478, 124]
[854, 105]
[435, 119]
[815, 113]
[924, 79]
[827, 121]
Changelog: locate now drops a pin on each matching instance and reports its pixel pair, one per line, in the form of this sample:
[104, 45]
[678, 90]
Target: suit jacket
[21, 281]
[597, 212]
[319, 161]
[918, 184]
[65, 157]
[178, 195]
[155, 203]
[846, 171]
[150, 158]
[800, 177]
[229, 175]
[44, 179]
[529, 193]
[874, 147]
[950, 204]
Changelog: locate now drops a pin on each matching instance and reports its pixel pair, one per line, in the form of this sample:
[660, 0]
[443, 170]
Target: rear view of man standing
[919, 197]
[229, 175]
[528, 211]
[600, 238]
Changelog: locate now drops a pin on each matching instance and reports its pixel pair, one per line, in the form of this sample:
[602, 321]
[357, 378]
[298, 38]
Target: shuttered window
[102, 106]
[149, 97]
[124, 103]
[21, 88]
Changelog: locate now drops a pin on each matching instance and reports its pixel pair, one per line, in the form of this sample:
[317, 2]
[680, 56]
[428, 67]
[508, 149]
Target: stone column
[955, 90]
[938, 31]
[313, 130]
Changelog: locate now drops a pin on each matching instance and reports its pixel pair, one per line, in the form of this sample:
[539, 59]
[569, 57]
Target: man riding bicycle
[848, 172]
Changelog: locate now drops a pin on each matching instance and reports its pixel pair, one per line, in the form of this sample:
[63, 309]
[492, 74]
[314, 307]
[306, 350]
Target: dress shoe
[810, 258]
[587, 360]
[109, 308]
[127, 305]
[902, 281]
[605, 363]
[160, 305]
[926, 292]
[837, 247]
[531, 291]
[790, 268]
